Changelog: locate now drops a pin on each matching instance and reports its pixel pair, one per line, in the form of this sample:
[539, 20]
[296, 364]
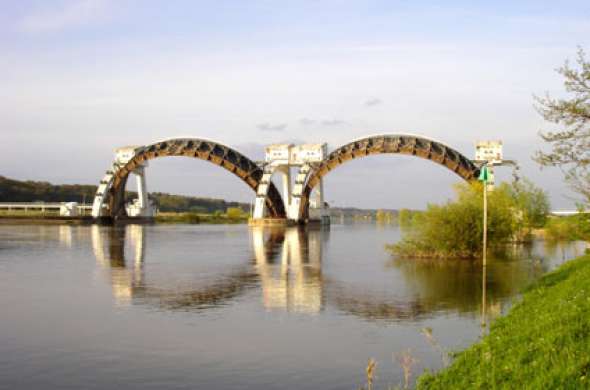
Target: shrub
[455, 229]
[575, 227]
[234, 213]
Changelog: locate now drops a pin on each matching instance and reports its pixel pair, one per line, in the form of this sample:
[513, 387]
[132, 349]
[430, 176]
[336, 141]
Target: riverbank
[161, 218]
[543, 342]
[199, 218]
[44, 220]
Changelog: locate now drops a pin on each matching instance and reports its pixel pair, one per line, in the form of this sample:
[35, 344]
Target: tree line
[12, 190]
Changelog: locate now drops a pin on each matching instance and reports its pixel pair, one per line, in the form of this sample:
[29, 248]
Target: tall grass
[543, 343]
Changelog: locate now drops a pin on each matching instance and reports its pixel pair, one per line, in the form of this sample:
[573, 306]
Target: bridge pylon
[140, 207]
[282, 159]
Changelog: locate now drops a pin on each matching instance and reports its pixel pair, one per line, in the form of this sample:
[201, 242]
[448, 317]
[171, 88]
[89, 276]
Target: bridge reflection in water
[109, 249]
[285, 267]
[288, 262]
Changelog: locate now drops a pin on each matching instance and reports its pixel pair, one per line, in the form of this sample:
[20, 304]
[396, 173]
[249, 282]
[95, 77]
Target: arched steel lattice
[389, 143]
[216, 153]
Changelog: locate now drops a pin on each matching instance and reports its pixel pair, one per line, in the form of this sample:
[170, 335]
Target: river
[232, 307]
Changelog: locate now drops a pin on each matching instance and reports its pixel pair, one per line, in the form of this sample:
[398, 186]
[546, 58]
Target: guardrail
[566, 213]
[62, 208]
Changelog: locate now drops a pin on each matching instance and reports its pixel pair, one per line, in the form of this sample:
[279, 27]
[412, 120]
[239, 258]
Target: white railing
[60, 207]
[565, 213]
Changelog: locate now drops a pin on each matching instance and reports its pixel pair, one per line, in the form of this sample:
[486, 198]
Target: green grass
[543, 343]
[200, 218]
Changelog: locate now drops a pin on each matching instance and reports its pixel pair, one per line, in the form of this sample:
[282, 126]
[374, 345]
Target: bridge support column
[141, 188]
[293, 212]
[286, 171]
[260, 210]
[317, 210]
[282, 158]
[141, 207]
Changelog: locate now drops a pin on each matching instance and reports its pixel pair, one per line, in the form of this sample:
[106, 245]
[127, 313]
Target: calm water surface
[231, 307]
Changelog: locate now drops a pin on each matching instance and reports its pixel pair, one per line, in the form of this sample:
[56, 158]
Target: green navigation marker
[484, 175]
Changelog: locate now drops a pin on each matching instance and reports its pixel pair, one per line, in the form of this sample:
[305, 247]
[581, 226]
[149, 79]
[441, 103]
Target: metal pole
[485, 221]
[483, 300]
[485, 247]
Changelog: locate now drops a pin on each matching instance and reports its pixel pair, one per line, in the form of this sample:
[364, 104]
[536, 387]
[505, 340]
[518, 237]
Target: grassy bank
[195, 218]
[37, 217]
[543, 343]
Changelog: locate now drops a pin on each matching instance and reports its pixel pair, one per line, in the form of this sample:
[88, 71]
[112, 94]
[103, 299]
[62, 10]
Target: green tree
[383, 217]
[570, 145]
[570, 228]
[533, 207]
[234, 213]
[455, 228]
[405, 219]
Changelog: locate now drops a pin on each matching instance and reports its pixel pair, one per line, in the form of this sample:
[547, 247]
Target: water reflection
[457, 284]
[124, 278]
[562, 251]
[129, 284]
[285, 267]
[288, 262]
[65, 235]
[374, 305]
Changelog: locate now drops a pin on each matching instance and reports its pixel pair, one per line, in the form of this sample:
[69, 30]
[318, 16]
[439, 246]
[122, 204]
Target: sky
[80, 78]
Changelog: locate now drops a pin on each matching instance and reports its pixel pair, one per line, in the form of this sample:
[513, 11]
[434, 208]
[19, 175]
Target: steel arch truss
[392, 144]
[114, 182]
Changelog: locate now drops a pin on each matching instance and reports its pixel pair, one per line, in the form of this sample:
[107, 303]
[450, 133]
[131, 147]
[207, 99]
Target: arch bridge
[296, 204]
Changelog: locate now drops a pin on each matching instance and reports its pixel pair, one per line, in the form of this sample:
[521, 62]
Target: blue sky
[81, 77]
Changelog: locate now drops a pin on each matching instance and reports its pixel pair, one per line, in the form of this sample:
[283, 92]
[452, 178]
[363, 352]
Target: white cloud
[271, 127]
[307, 121]
[333, 122]
[373, 102]
[324, 122]
[70, 14]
